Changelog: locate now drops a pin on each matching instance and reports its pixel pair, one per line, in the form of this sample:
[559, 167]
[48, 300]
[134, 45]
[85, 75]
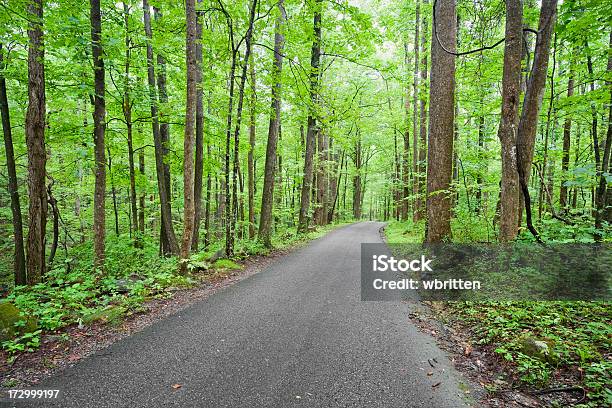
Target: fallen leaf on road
[468, 350]
[436, 384]
[430, 373]
[176, 386]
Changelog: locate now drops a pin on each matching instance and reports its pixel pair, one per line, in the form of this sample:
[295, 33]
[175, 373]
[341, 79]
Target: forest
[152, 144]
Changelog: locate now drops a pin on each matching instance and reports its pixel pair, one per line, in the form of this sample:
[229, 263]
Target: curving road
[294, 335]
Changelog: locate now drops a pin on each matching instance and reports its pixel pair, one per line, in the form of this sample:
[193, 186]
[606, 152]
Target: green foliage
[577, 336]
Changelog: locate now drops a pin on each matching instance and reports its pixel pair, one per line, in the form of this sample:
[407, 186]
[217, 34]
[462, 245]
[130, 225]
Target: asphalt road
[293, 335]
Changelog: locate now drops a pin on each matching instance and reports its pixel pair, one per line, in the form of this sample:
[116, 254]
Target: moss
[226, 264]
[11, 315]
[111, 315]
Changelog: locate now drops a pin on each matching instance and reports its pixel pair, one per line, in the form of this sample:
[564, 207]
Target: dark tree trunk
[532, 102]
[127, 115]
[199, 138]
[164, 130]
[250, 155]
[420, 185]
[567, 129]
[267, 196]
[35, 140]
[415, 107]
[113, 191]
[509, 196]
[441, 122]
[141, 213]
[357, 186]
[189, 141]
[601, 195]
[163, 187]
[99, 128]
[315, 60]
[55, 212]
[13, 189]
[320, 210]
[207, 226]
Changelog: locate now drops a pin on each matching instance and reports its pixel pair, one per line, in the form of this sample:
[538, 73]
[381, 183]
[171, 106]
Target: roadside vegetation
[543, 345]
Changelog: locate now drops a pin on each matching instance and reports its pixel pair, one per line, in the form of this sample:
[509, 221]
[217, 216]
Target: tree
[127, 116]
[567, 129]
[532, 102]
[189, 142]
[419, 183]
[35, 140]
[315, 60]
[162, 183]
[99, 128]
[511, 82]
[199, 136]
[441, 121]
[267, 198]
[13, 189]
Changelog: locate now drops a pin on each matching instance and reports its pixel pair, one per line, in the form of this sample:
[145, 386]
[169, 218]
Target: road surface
[294, 335]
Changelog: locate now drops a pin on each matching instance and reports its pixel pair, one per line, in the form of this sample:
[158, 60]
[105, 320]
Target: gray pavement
[294, 335]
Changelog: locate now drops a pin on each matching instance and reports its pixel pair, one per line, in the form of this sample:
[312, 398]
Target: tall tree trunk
[315, 60]
[166, 210]
[511, 88]
[405, 191]
[267, 195]
[250, 155]
[189, 142]
[164, 130]
[99, 128]
[601, 195]
[35, 140]
[207, 226]
[421, 184]
[113, 190]
[141, 213]
[357, 186]
[441, 122]
[127, 115]
[415, 107]
[320, 210]
[233, 212]
[199, 137]
[567, 129]
[13, 189]
[532, 102]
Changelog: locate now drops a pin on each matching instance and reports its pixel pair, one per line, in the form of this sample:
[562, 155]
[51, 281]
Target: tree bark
[441, 122]
[419, 211]
[141, 213]
[250, 155]
[567, 129]
[415, 107]
[13, 189]
[99, 128]
[601, 195]
[127, 115]
[233, 212]
[199, 137]
[166, 210]
[267, 196]
[511, 88]
[189, 141]
[315, 60]
[35, 140]
[532, 102]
